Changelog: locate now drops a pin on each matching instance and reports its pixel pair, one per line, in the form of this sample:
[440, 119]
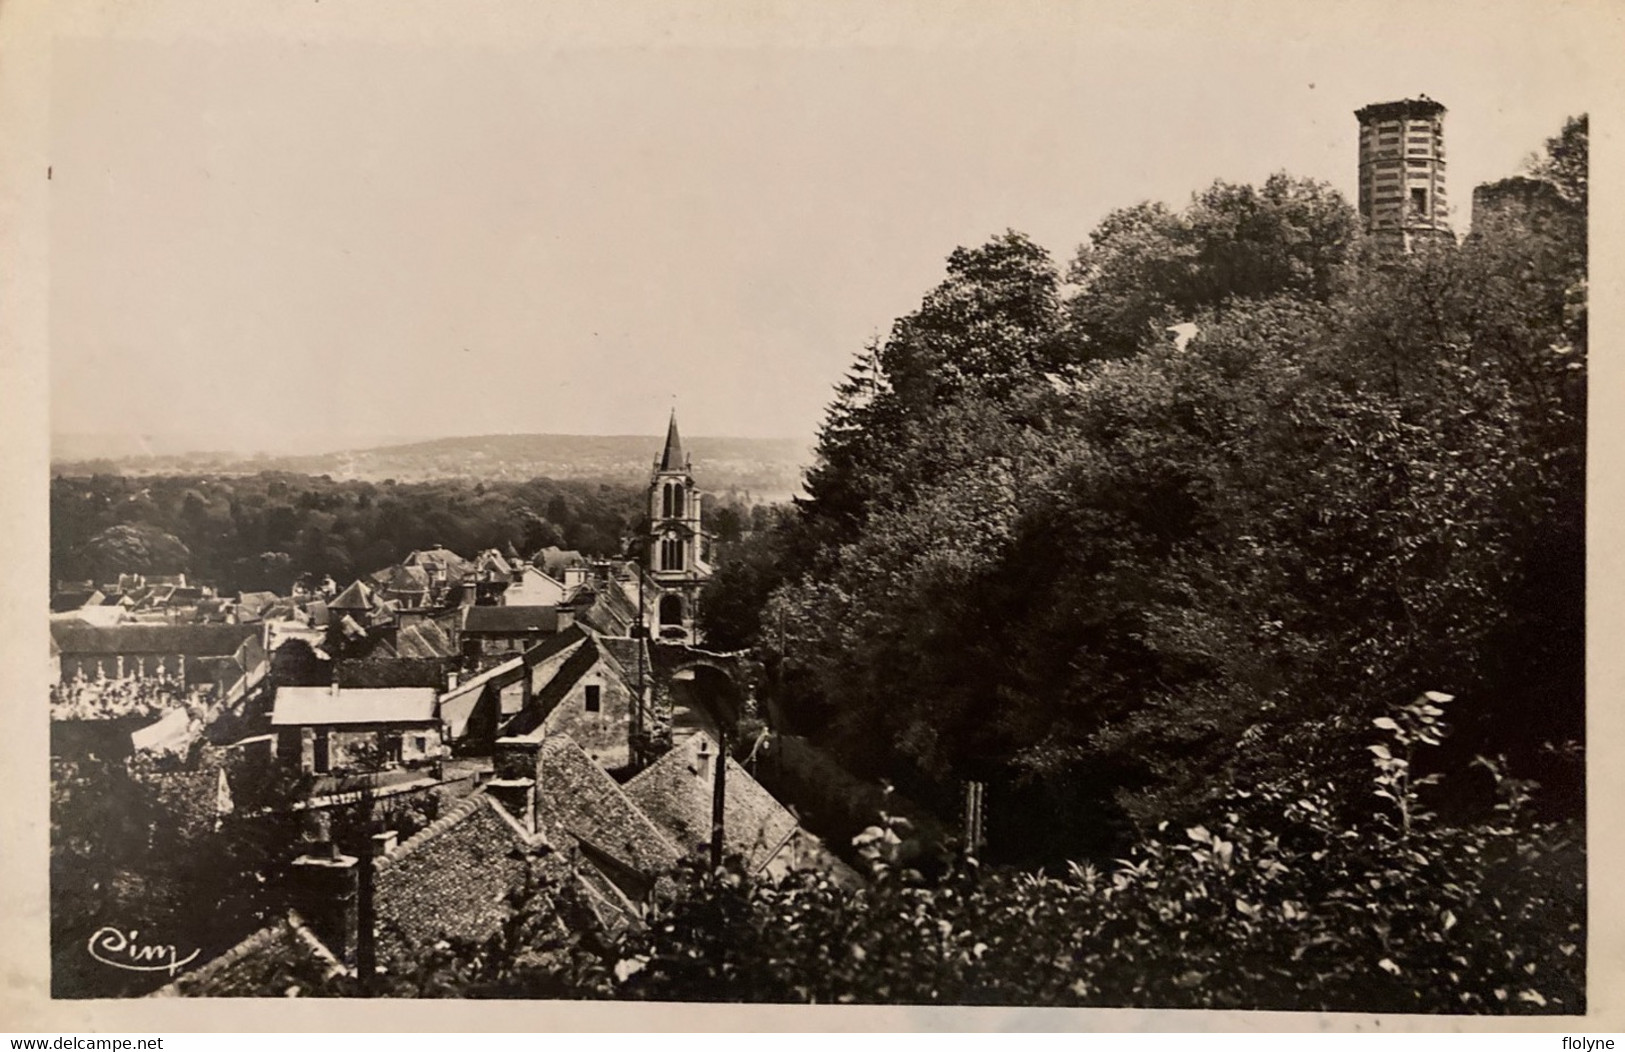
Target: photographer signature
[121, 949]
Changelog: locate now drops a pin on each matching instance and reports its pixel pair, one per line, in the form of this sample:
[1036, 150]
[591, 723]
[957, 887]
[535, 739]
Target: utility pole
[639, 747]
[719, 795]
[366, 943]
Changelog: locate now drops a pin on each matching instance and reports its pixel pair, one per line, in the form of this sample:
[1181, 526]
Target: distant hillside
[766, 468]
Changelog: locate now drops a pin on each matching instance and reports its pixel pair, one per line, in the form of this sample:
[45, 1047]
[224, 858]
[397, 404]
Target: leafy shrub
[1299, 897]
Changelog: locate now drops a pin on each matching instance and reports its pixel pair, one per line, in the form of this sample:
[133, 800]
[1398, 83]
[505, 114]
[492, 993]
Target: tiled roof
[391, 672]
[555, 644]
[356, 597]
[676, 793]
[545, 700]
[62, 602]
[493, 561]
[624, 650]
[253, 601]
[325, 706]
[511, 619]
[436, 637]
[578, 797]
[408, 580]
[555, 560]
[454, 566]
[453, 879]
[281, 955]
[76, 637]
[410, 643]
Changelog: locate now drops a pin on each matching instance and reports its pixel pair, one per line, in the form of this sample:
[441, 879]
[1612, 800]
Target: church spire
[672, 458]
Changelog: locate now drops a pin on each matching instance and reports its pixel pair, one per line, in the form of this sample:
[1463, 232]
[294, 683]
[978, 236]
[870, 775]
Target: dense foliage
[1115, 573]
[143, 847]
[1287, 899]
[265, 531]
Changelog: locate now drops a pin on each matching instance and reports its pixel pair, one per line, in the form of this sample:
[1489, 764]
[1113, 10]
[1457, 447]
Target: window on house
[1419, 201]
[592, 700]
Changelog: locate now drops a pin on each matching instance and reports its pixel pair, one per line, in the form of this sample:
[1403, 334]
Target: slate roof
[578, 797]
[324, 706]
[76, 637]
[676, 793]
[672, 458]
[494, 619]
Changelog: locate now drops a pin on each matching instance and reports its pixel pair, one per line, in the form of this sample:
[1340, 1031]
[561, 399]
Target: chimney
[703, 758]
[383, 843]
[517, 773]
[323, 889]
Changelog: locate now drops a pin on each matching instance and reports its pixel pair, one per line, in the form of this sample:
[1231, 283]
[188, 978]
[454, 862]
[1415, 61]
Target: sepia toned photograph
[1090, 512]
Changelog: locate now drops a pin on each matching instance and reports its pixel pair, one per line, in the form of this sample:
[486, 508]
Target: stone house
[222, 655]
[332, 728]
[493, 634]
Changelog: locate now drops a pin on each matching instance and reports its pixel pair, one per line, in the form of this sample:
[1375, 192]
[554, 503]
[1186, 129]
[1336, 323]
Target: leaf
[629, 967]
[1199, 834]
[1388, 966]
[1381, 751]
[1385, 723]
[1532, 996]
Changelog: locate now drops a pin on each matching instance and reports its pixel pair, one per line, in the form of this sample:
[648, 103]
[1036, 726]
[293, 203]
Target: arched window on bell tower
[671, 553]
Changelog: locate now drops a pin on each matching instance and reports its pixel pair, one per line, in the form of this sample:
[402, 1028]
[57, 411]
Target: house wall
[420, 742]
[604, 735]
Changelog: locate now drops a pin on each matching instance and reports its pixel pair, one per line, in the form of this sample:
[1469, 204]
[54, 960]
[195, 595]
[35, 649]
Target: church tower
[679, 549]
[1402, 173]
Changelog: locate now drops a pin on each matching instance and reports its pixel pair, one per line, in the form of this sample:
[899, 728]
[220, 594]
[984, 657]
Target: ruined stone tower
[1402, 173]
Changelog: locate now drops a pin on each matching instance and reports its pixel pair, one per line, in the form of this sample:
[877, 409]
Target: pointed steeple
[672, 458]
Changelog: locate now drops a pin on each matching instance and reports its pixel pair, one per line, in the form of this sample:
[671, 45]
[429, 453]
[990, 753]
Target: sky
[323, 231]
